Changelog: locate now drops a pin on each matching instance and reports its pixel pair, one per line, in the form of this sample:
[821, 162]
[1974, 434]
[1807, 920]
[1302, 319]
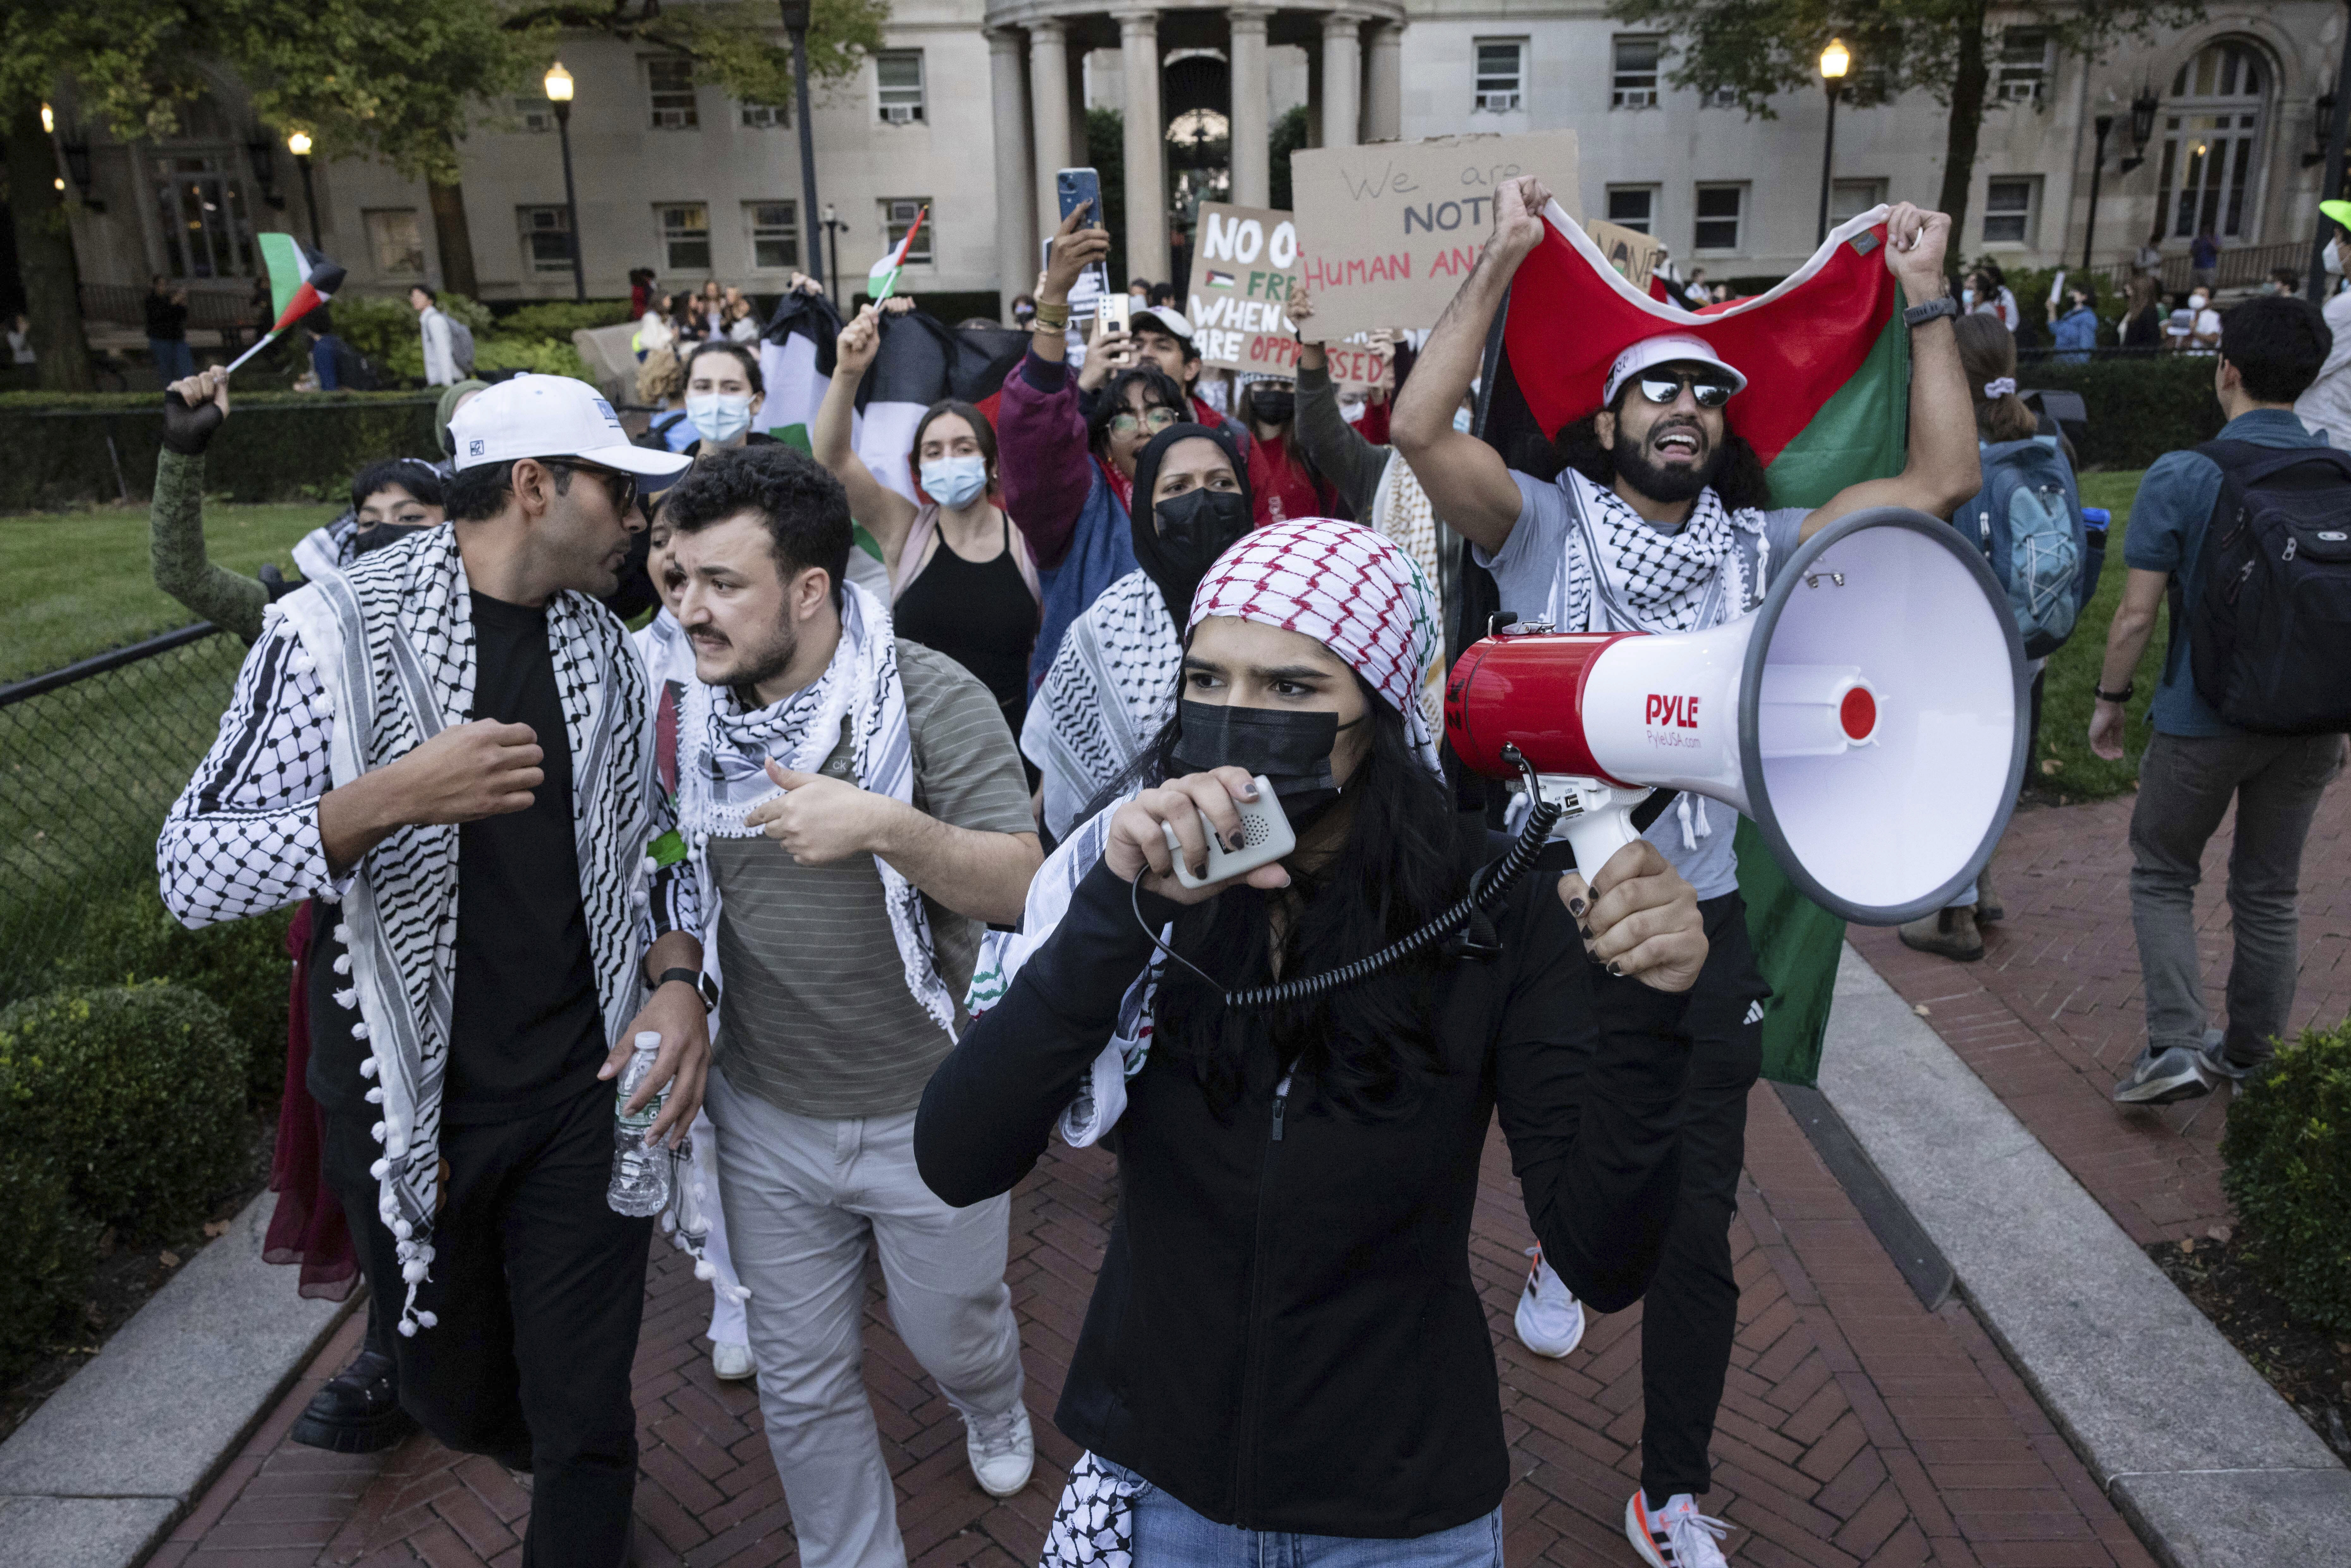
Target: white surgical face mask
[955, 482]
[1351, 410]
[1461, 420]
[719, 418]
[2334, 260]
[2196, 301]
[1968, 296]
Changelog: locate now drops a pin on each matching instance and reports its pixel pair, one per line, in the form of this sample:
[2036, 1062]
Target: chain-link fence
[91, 757]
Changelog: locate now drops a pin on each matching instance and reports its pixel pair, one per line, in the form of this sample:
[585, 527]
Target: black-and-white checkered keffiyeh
[1094, 1527]
[352, 673]
[1650, 582]
[1111, 689]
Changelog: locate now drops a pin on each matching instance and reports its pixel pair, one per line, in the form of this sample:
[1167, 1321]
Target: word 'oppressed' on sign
[1244, 273]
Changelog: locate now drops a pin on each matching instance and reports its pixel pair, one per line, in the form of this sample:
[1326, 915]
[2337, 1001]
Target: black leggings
[1690, 1314]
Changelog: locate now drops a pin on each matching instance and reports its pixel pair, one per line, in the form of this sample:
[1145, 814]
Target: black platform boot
[358, 1412]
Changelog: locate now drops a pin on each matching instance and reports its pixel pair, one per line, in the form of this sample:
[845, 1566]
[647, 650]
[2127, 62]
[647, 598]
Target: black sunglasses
[624, 492]
[1662, 390]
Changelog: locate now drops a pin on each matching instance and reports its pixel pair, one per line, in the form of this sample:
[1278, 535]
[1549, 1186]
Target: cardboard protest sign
[1243, 270]
[1389, 231]
[1629, 251]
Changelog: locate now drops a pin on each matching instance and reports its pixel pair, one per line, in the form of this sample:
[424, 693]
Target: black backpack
[2269, 637]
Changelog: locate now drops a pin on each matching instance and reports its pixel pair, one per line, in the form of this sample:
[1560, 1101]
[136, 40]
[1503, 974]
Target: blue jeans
[1169, 1535]
[174, 359]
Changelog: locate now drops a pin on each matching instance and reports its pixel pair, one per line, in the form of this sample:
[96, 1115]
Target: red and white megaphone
[1870, 716]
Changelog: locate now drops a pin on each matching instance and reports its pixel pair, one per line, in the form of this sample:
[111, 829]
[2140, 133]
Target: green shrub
[557, 319]
[2140, 405]
[135, 1094]
[541, 356]
[242, 965]
[284, 446]
[2287, 1157]
[46, 1248]
[384, 329]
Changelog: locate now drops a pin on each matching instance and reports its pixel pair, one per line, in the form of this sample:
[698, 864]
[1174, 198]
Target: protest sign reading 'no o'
[1244, 269]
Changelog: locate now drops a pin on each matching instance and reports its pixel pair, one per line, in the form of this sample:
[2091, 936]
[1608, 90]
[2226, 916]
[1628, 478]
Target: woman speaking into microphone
[1285, 1340]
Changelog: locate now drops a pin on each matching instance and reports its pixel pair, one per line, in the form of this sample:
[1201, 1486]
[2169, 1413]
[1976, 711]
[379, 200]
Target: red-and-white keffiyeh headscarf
[1351, 590]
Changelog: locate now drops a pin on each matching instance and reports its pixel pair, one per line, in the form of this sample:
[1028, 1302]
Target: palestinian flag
[882, 280]
[1828, 364]
[301, 280]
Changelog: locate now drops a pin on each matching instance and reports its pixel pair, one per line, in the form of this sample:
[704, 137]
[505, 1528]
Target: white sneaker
[1002, 1450]
[731, 1363]
[1549, 1319]
[1674, 1536]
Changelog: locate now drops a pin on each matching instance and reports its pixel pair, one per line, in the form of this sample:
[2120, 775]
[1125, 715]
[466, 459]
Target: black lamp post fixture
[2104, 125]
[299, 143]
[833, 227]
[796, 26]
[2319, 129]
[77, 169]
[2142, 127]
[1835, 60]
[558, 93]
[260, 155]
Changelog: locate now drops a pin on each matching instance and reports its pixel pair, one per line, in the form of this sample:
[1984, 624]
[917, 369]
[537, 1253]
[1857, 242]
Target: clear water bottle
[641, 1171]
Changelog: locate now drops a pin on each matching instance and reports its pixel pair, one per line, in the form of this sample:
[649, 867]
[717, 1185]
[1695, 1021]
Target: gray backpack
[461, 343]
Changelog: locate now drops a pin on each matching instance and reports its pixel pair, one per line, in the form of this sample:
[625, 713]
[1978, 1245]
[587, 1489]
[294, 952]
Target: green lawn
[76, 584]
[2065, 766]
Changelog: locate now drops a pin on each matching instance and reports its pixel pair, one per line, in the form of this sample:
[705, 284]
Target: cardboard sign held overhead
[1629, 251]
[1244, 267]
[1389, 231]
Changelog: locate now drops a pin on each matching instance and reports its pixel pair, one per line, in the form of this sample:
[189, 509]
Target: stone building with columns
[974, 104]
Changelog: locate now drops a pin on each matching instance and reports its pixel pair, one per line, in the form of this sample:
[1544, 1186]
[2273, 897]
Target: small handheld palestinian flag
[882, 281]
[300, 280]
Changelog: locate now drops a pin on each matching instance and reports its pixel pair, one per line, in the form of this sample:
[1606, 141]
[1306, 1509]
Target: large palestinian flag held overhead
[1827, 406]
[300, 280]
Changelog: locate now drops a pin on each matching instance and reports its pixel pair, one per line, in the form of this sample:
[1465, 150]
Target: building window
[535, 115]
[1851, 198]
[670, 84]
[1633, 206]
[395, 241]
[1721, 210]
[2012, 206]
[2024, 64]
[1635, 85]
[1501, 75]
[898, 215]
[898, 82]
[766, 116]
[2218, 99]
[775, 228]
[206, 230]
[545, 238]
[685, 237]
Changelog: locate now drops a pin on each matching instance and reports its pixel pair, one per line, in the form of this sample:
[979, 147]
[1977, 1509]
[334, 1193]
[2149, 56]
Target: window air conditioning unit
[1637, 97]
[2019, 92]
[1498, 102]
[901, 113]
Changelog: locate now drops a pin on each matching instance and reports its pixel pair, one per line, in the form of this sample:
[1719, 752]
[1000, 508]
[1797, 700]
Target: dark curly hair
[804, 507]
[1159, 388]
[1738, 481]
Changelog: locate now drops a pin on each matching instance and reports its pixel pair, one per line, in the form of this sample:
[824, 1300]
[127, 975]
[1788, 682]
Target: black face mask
[1197, 527]
[1293, 751]
[1273, 407]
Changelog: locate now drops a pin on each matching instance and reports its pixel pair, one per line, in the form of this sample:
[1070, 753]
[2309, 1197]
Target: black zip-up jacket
[1285, 1334]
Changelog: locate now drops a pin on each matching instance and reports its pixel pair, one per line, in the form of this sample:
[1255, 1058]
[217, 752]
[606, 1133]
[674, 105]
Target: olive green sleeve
[175, 526]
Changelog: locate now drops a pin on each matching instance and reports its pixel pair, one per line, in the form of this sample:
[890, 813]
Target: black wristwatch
[2123, 696]
[1920, 315]
[695, 978]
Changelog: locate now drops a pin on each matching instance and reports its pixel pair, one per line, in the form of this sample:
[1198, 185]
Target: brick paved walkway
[2052, 1016]
[1857, 1427]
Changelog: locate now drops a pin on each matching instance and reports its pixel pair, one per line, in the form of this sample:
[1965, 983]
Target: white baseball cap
[1666, 348]
[1165, 319]
[551, 416]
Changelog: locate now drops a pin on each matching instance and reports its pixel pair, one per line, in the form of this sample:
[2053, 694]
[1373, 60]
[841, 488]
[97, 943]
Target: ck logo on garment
[475, 448]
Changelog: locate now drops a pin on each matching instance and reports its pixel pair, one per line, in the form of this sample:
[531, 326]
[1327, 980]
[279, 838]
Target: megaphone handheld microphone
[1870, 716]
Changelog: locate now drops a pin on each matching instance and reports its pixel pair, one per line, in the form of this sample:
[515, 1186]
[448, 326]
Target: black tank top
[978, 613]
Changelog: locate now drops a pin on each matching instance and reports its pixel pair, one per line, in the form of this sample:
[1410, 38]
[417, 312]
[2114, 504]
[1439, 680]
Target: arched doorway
[2211, 158]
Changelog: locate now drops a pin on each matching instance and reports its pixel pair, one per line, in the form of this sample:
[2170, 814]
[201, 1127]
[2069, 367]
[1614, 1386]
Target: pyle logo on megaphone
[1868, 716]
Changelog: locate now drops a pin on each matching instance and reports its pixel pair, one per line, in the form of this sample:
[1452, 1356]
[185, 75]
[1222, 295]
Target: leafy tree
[1755, 48]
[1106, 151]
[1290, 133]
[402, 80]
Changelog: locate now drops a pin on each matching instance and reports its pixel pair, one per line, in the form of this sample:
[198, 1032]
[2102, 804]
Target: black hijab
[1178, 579]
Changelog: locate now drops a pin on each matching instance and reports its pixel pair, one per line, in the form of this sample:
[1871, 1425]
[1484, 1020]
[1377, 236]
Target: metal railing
[91, 757]
[126, 304]
[2245, 266]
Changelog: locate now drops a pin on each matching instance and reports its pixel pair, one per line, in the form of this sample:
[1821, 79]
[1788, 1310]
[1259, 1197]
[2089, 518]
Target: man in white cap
[1661, 521]
[448, 744]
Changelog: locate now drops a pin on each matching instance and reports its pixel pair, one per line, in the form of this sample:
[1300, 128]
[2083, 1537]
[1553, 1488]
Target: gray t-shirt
[816, 1019]
[1695, 834]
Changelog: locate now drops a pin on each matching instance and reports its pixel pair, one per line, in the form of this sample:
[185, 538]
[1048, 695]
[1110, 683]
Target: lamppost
[1835, 60]
[2142, 128]
[299, 143]
[2330, 182]
[796, 26]
[833, 227]
[2104, 125]
[558, 93]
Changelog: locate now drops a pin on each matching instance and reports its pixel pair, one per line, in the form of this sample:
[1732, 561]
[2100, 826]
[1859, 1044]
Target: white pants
[725, 1312]
[805, 1199]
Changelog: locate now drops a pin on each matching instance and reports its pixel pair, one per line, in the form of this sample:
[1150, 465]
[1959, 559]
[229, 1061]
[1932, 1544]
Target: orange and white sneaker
[1549, 1319]
[1674, 1536]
